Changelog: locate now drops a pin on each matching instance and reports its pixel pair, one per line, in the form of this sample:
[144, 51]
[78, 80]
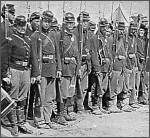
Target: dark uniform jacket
[18, 53]
[120, 49]
[88, 52]
[50, 53]
[103, 51]
[68, 50]
[131, 49]
[141, 44]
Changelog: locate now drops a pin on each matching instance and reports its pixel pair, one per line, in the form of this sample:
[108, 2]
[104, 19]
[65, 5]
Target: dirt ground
[126, 124]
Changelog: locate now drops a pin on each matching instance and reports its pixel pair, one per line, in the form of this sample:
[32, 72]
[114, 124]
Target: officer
[69, 61]
[33, 23]
[31, 28]
[87, 60]
[8, 11]
[101, 42]
[17, 56]
[50, 66]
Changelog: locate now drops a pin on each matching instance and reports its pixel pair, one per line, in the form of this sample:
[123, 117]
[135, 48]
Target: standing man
[69, 61]
[101, 41]
[87, 59]
[17, 56]
[31, 28]
[50, 65]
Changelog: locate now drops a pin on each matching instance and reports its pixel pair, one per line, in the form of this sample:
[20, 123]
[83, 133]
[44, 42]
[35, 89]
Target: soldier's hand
[7, 80]
[97, 73]
[79, 74]
[58, 75]
[38, 79]
[33, 79]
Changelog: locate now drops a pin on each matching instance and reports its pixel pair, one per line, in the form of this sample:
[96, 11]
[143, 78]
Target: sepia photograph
[74, 68]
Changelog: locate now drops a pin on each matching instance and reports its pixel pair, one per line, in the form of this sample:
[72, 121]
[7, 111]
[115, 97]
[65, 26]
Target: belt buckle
[24, 63]
[50, 56]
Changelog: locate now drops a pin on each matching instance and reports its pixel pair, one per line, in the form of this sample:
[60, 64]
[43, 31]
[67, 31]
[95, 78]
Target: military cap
[86, 16]
[10, 8]
[103, 22]
[48, 15]
[121, 25]
[34, 15]
[54, 22]
[69, 17]
[142, 26]
[20, 20]
[92, 25]
[133, 25]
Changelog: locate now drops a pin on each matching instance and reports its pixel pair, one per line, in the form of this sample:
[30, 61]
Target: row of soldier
[42, 65]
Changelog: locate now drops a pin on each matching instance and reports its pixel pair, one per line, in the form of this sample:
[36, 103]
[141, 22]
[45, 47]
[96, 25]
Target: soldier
[118, 68]
[54, 25]
[87, 60]
[130, 71]
[34, 25]
[8, 11]
[91, 30]
[141, 54]
[101, 42]
[69, 61]
[50, 68]
[17, 56]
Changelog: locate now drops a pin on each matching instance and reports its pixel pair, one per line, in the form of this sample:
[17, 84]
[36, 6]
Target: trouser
[43, 112]
[144, 92]
[20, 84]
[134, 83]
[116, 84]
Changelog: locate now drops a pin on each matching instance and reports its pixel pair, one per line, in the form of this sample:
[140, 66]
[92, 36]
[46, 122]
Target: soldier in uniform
[69, 61]
[54, 25]
[33, 23]
[91, 30]
[51, 67]
[141, 54]
[7, 23]
[130, 71]
[31, 28]
[118, 68]
[87, 60]
[101, 42]
[17, 56]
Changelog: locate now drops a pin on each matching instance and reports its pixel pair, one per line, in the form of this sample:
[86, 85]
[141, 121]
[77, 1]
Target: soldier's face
[35, 23]
[85, 24]
[103, 29]
[11, 16]
[70, 25]
[46, 24]
[21, 29]
[141, 32]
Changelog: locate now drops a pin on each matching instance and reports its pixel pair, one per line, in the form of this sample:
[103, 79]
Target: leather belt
[48, 56]
[21, 63]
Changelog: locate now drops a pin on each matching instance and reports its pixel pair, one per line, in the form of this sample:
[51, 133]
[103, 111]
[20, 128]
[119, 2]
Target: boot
[21, 118]
[86, 102]
[60, 114]
[66, 116]
[100, 110]
[13, 128]
[112, 106]
[124, 105]
[80, 107]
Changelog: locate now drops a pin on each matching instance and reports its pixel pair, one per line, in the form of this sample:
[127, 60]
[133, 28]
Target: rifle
[28, 19]
[58, 80]
[79, 91]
